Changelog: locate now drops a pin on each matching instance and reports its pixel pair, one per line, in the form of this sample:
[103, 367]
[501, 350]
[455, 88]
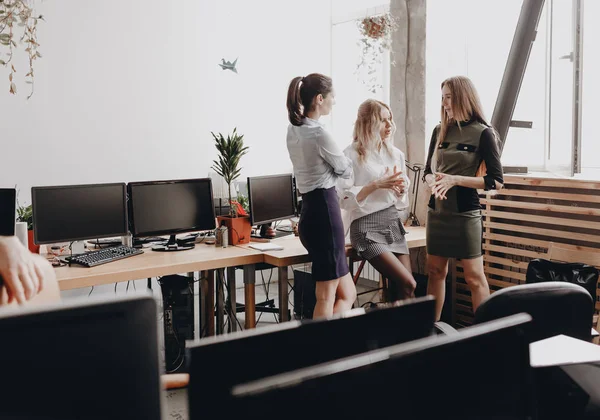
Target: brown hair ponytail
[302, 92]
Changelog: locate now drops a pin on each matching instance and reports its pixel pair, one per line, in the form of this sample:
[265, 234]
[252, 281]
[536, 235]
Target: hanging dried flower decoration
[18, 16]
[376, 37]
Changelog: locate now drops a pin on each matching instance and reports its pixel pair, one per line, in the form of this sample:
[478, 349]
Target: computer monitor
[254, 354]
[271, 198]
[90, 359]
[169, 208]
[77, 212]
[8, 211]
[481, 372]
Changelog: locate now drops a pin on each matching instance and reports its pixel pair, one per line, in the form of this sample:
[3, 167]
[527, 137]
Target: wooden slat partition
[519, 223]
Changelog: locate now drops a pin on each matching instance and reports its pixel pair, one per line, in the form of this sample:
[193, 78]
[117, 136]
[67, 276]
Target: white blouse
[318, 162]
[372, 168]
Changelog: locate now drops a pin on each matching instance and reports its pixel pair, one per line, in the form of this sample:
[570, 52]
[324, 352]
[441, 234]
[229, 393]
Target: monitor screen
[8, 210]
[82, 359]
[271, 198]
[314, 341]
[169, 207]
[402, 377]
[77, 212]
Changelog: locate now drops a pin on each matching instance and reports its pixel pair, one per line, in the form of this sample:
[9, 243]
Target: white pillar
[407, 87]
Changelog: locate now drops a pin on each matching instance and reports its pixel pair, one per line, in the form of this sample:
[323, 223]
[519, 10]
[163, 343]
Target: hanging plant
[376, 38]
[18, 22]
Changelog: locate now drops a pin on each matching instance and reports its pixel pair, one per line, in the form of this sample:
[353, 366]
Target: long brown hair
[466, 106]
[366, 127]
[302, 92]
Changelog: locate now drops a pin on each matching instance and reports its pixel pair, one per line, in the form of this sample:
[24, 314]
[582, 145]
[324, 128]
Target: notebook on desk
[266, 246]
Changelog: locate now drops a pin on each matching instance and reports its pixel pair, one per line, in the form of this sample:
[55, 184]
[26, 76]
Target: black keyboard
[103, 256]
[280, 233]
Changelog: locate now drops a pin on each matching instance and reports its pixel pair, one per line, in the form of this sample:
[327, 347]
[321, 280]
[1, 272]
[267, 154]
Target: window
[590, 144]
[476, 45]
[352, 88]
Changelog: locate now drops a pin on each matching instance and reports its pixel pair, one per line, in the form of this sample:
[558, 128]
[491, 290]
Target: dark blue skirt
[322, 234]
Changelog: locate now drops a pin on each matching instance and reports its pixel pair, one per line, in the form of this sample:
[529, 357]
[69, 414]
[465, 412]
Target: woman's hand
[429, 180]
[394, 181]
[22, 271]
[441, 185]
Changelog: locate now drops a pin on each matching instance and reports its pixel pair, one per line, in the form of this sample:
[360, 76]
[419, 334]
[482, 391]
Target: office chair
[556, 308]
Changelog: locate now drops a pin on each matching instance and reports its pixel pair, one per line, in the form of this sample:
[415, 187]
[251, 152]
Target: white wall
[130, 90]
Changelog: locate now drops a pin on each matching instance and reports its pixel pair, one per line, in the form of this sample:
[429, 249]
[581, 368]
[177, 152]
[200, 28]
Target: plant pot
[239, 228]
[32, 246]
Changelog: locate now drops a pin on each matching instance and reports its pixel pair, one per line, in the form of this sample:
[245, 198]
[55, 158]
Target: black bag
[540, 270]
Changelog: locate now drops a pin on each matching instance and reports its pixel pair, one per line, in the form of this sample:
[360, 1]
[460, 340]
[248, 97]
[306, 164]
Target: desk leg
[250, 298]
[209, 303]
[220, 300]
[232, 298]
[452, 284]
[283, 294]
[149, 283]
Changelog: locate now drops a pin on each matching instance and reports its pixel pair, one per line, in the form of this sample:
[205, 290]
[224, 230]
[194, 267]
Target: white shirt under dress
[318, 161]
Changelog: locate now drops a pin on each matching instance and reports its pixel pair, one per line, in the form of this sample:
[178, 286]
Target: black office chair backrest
[556, 308]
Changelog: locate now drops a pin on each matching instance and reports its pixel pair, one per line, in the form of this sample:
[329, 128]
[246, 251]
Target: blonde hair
[366, 128]
[465, 106]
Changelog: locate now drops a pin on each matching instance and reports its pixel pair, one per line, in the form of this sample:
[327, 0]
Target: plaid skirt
[378, 232]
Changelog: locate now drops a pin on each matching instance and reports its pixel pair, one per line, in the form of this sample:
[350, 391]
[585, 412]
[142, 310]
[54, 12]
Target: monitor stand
[172, 246]
[266, 231]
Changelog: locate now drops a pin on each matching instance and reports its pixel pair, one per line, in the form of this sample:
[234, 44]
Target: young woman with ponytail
[318, 164]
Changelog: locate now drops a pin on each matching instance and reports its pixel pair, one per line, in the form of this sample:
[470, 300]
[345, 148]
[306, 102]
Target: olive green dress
[454, 226]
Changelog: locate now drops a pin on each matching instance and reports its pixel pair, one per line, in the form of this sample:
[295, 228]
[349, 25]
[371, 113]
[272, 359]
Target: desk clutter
[128, 217]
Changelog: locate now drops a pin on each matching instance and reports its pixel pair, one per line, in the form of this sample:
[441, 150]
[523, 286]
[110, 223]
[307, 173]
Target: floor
[176, 400]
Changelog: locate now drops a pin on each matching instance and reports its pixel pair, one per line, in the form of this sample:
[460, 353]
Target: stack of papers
[562, 350]
[266, 246]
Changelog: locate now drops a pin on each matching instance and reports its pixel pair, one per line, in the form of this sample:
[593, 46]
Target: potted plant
[25, 214]
[375, 38]
[18, 29]
[231, 150]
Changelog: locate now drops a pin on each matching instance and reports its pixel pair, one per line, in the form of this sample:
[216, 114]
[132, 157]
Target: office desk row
[209, 260]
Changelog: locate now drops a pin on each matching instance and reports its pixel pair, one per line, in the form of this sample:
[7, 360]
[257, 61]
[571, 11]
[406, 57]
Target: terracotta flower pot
[239, 228]
[32, 246]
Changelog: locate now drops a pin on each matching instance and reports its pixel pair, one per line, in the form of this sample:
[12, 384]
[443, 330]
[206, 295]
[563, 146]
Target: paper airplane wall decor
[228, 65]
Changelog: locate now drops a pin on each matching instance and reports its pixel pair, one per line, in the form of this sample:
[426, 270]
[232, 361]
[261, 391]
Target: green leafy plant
[231, 150]
[25, 214]
[18, 21]
[243, 200]
[375, 38]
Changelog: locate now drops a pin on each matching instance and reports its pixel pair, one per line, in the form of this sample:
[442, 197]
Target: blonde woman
[463, 157]
[375, 195]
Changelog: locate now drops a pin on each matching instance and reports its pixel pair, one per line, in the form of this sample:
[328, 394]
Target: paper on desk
[562, 350]
[267, 246]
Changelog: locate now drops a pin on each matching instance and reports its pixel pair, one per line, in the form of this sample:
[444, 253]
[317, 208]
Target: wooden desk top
[203, 257]
[153, 264]
[294, 253]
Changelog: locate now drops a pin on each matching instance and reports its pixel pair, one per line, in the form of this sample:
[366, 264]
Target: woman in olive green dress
[463, 157]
